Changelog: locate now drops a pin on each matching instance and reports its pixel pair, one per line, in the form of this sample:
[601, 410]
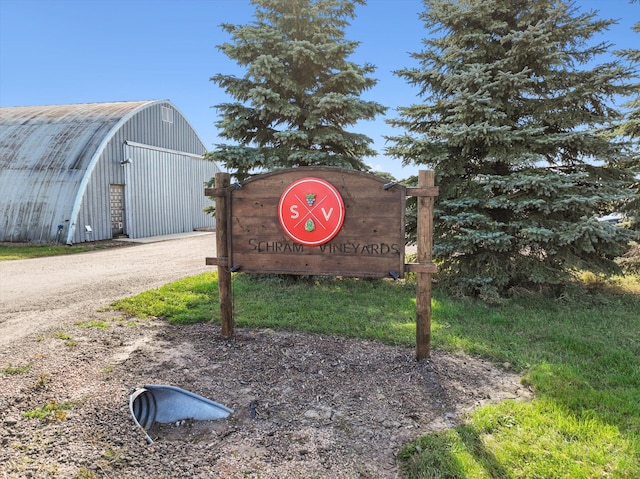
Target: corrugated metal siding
[164, 192]
[47, 154]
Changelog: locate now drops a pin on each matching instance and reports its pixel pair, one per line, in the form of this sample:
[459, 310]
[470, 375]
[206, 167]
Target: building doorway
[116, 204]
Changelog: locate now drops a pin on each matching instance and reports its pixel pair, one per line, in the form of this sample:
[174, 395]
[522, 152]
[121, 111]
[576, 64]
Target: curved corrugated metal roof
[46, 156]
[57, 137]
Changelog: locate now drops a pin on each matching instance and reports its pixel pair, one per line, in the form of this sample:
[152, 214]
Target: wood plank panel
[375, 207]
[350, 183]
[269, 227]
[370, 243]
[330, 265]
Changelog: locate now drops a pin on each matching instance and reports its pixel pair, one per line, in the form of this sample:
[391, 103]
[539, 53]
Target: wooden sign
[322, 221]
[354, 226]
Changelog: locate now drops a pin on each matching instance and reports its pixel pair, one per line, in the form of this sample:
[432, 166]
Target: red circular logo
[311, 211]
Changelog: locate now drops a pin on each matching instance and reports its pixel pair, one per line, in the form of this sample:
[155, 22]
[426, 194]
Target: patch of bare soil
[304, 405]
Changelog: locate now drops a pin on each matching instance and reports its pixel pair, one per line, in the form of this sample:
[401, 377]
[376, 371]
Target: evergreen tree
[299, 93]
[511, 122]
[630, 128]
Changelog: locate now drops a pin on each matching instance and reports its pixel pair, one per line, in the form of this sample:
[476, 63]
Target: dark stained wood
[217, 261]
[215, 192]
[272, 184]
[423, 280]
[353, 266]
[420, 268]
[222, 181]
[370, 243]
[341, 245]
[419, 191]
[246, 207]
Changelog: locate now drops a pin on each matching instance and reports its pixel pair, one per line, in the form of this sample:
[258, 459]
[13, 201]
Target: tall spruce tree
[511, 122]
[632, 125]
[300, 92]
[630, 128]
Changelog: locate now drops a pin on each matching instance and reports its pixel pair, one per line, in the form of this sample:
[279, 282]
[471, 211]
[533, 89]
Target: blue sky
[81, 51]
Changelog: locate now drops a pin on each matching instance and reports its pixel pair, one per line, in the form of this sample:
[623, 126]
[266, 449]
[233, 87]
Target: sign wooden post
[322, 221]
[222, 249]
[423, 280]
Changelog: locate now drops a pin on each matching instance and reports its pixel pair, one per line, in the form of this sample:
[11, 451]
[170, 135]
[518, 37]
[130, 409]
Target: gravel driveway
[38, 294]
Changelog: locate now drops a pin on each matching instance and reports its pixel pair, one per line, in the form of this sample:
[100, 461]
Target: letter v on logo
[325, 214]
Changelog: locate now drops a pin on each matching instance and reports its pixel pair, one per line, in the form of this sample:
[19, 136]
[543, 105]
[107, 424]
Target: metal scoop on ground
[167, 404]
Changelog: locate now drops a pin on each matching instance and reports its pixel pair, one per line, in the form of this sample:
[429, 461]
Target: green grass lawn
[582, 358]
[11, 252]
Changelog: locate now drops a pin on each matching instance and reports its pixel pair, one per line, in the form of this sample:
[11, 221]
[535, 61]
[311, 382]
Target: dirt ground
[304, 405]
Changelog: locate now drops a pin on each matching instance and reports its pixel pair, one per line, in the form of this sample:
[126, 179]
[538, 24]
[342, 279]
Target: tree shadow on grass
[448, 454]
[476, 448]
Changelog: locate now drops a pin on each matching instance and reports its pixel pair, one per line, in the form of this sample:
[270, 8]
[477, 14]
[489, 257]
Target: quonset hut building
[95, 171]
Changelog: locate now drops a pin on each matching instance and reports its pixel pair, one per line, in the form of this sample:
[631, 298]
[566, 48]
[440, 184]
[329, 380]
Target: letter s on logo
[294, 211]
